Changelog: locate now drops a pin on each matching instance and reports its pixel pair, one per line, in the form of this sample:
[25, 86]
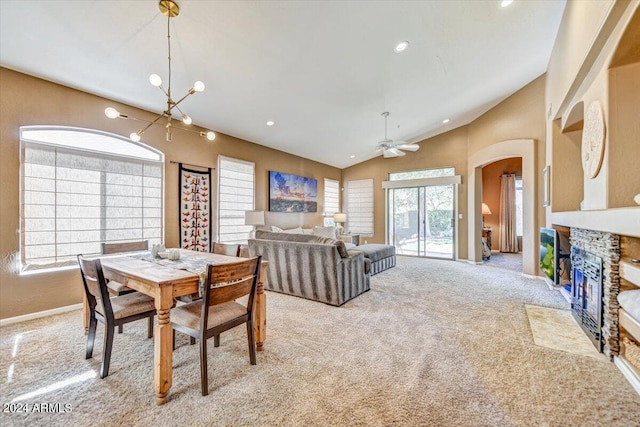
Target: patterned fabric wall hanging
[195, 209]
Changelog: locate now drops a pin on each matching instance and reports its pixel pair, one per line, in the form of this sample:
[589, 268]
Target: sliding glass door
[420, 220]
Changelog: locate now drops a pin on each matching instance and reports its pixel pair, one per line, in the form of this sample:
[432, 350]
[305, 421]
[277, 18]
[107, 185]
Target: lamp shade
[339, 217]
[485, 209]
[253, 217]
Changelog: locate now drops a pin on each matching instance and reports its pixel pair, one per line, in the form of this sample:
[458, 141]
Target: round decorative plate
[593, 140]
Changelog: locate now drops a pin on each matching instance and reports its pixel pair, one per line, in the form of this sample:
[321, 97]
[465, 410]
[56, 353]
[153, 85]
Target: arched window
[82, 187]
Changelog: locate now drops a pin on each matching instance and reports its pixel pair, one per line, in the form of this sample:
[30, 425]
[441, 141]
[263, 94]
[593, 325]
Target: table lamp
[485, 211]
[253, 218]
[339, 218]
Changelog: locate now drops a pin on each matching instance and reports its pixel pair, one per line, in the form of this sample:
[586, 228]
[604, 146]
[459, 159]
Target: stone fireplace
[590, 250]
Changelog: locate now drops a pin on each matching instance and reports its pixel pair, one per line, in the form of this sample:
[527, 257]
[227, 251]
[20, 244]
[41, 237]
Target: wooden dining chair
[117, 288]
[111, 312]
[218, 311]
[226, 249]
[119, 247]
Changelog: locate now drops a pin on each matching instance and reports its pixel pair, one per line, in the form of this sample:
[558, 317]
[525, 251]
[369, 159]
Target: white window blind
[76, 195]
[236, 193]
[331, 200]
[360, 207]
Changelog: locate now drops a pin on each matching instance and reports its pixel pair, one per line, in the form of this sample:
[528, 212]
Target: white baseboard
[531, 276]
[39, 314]
[628, 372]
[475, 262]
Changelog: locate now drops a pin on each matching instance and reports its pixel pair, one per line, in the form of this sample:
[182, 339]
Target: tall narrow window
[518, 206]
[331, 200]
[360, 207]
[236, 194]
[80, 188]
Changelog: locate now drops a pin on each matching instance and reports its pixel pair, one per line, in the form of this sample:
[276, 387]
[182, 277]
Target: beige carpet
[558, 330]
[434, 343]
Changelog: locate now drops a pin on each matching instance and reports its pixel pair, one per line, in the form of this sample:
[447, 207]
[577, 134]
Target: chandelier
[170, 9]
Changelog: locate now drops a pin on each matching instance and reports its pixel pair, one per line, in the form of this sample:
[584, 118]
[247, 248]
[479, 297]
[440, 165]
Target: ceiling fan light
[155, 80]
[111, 112]
[210, 135]
[134, 136]
[186, 119]
[198, 86]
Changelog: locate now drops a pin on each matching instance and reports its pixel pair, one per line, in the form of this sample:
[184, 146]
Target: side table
[350, 238]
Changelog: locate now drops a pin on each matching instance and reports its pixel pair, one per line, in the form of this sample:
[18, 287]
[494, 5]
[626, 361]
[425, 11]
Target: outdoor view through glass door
[420, 219]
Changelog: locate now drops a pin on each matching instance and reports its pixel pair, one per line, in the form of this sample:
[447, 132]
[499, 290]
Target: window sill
[47, 270]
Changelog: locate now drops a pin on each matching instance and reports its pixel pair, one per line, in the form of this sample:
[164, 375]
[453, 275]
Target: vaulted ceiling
[324, 71]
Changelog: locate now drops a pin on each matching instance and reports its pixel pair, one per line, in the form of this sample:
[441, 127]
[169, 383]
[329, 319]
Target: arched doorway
[525, 148]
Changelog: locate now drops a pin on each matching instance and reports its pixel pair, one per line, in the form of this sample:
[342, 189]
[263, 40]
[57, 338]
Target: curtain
[195, 209]
[508, 233]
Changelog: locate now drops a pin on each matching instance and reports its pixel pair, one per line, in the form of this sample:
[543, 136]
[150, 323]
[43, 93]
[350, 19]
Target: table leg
[163, 352]
[85, 313]
[260, 311]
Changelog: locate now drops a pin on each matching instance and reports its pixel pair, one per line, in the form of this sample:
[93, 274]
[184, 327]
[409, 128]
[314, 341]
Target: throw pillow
[297, 230]
[339, 244]
[330, 232]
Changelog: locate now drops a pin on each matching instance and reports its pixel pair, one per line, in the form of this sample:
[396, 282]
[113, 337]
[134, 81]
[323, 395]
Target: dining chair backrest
[228, 282]
[226, 249]
[117, 247]
[95, 285]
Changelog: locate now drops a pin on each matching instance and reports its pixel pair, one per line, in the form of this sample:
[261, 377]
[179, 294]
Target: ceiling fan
[390, 148]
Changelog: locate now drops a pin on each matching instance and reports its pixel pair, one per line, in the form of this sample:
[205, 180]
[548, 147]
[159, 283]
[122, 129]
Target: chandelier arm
[163, 91]
[178, 108]
[151, 123]
[191, 92]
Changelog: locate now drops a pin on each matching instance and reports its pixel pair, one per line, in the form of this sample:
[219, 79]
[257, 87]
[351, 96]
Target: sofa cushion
[303, 238]
[287, 237]
[325, 232]
[376, 252]
[297, 230]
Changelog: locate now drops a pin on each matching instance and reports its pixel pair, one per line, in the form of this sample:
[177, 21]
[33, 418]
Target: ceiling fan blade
[387, 154]
[393, 152]
[408, 147]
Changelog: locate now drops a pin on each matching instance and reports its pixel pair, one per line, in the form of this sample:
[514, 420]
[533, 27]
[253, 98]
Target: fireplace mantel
[622, 221]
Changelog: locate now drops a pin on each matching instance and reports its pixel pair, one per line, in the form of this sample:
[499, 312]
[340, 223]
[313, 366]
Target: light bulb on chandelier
[170, 9]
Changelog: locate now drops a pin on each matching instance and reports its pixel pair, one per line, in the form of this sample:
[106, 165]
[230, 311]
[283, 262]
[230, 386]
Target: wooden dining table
[165, 283]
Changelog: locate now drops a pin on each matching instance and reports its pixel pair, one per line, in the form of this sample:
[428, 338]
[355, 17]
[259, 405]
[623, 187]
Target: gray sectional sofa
[312, 267]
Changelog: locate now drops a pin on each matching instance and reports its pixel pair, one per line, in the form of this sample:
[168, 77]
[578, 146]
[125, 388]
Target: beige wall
[520, 116]
[446, 150]
[581, 23]
[624, 133]
[608, 36]
[26, 100]
[491, 185]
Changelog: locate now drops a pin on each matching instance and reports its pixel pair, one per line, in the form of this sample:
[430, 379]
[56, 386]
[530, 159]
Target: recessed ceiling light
[271, 123]
[446, 121]
[353, 156]
[401, 47]
[506, 3]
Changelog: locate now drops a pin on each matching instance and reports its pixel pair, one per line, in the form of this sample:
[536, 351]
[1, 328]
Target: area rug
[558, 330]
